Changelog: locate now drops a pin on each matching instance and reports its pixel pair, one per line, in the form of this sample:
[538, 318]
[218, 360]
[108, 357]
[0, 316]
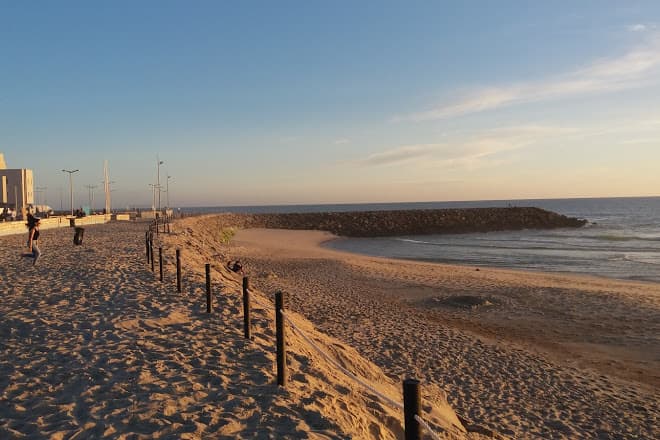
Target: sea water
[621, 239]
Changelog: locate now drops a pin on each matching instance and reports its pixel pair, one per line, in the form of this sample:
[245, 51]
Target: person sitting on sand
[235, 266]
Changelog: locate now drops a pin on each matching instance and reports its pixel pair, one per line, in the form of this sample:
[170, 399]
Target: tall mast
[106, 186]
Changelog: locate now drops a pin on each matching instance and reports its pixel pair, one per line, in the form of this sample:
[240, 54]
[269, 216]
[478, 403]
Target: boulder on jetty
[407, 222]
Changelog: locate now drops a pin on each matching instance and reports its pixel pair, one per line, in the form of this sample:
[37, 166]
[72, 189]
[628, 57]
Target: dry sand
[93, 345]
[530, 355]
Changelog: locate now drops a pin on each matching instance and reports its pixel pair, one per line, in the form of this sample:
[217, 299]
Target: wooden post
[281, 340]
[156, 223]
[246, 308]
[178, 270]
[146, 241]
[411, 407]
[208, 288]
[160, 262]
[151, 252]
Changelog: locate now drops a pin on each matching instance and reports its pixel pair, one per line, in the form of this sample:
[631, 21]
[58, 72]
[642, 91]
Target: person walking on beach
[33, 238]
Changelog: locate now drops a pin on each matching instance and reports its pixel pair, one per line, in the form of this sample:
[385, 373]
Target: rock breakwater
[406, 222]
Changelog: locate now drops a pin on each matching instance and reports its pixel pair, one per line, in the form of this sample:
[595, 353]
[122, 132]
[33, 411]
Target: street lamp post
[37, 191]
[91, 189]
[153, 194]
[71, 186]
[108, 199]
[44, 190]
[167, 191]
[158, 164]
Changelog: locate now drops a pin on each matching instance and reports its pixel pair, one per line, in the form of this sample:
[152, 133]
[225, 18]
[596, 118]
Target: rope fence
[411, 396]
[263, 306]
[426, 426]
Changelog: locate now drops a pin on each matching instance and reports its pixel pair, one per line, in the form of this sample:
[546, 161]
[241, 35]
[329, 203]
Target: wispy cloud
[647, 126]
[642, 27]
[401, 154]
[463, 152]
[635, 68]
[637, 27]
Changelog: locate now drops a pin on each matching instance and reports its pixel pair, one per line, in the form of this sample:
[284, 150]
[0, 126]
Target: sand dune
[94, 346]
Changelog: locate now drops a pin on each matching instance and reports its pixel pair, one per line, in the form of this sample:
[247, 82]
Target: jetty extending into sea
[406, 222]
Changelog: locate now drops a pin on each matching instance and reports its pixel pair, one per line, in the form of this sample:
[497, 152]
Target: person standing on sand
[33, 240]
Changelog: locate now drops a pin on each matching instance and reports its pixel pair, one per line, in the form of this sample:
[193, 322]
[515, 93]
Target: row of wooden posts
[164, 221]
[411, 391]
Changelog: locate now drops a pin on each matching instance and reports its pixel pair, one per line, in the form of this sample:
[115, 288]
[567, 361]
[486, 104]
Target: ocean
[621, 240]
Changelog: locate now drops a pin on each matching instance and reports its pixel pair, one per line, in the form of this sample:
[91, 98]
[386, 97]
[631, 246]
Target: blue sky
[333, 102]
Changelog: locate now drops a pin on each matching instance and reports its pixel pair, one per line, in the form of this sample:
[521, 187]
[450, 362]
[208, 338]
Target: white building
[16, 187]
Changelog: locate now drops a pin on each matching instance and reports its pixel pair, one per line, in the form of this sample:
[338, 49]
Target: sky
[310, 102]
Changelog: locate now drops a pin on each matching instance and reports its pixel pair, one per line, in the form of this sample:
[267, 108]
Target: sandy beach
[95, 346]
[530, 355]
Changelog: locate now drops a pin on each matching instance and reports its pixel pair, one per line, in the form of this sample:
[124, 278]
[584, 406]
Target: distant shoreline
[389, 206]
